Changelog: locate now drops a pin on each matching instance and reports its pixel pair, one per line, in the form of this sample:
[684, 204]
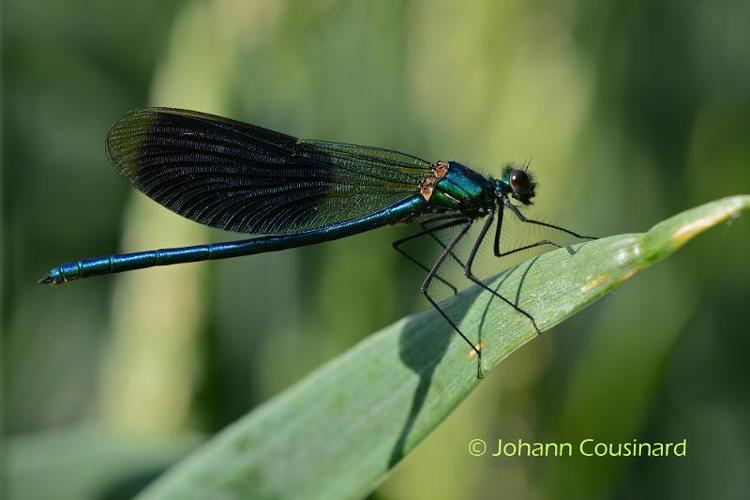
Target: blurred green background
[630, 111]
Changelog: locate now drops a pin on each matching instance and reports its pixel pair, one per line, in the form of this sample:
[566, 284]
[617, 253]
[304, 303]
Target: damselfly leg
[426, 230]
[466, 225]
[470, 274]
[519, 215]
[440, 242]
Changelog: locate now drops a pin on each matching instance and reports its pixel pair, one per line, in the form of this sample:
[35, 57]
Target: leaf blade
[338, 432]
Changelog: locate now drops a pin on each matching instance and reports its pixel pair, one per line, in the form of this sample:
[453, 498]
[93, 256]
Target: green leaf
[338, 432]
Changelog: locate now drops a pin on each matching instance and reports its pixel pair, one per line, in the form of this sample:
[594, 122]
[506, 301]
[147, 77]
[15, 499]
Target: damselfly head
[518, 183]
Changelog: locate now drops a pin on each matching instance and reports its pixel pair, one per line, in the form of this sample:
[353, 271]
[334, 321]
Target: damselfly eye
[519, 181]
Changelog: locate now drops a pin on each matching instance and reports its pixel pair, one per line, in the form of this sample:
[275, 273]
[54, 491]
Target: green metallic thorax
[463, 189]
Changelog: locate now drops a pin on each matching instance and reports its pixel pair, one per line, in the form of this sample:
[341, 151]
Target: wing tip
[121, 135]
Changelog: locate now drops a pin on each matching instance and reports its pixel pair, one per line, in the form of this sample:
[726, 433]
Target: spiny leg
[525, 219]
[498, 229]
[528, 247]
[440, 242]
[452, 221]
[426, 286]
[469, 274]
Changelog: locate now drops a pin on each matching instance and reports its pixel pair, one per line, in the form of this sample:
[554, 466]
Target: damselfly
[291, 192]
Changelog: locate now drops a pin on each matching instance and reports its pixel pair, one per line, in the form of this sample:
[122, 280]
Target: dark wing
[240, 177]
